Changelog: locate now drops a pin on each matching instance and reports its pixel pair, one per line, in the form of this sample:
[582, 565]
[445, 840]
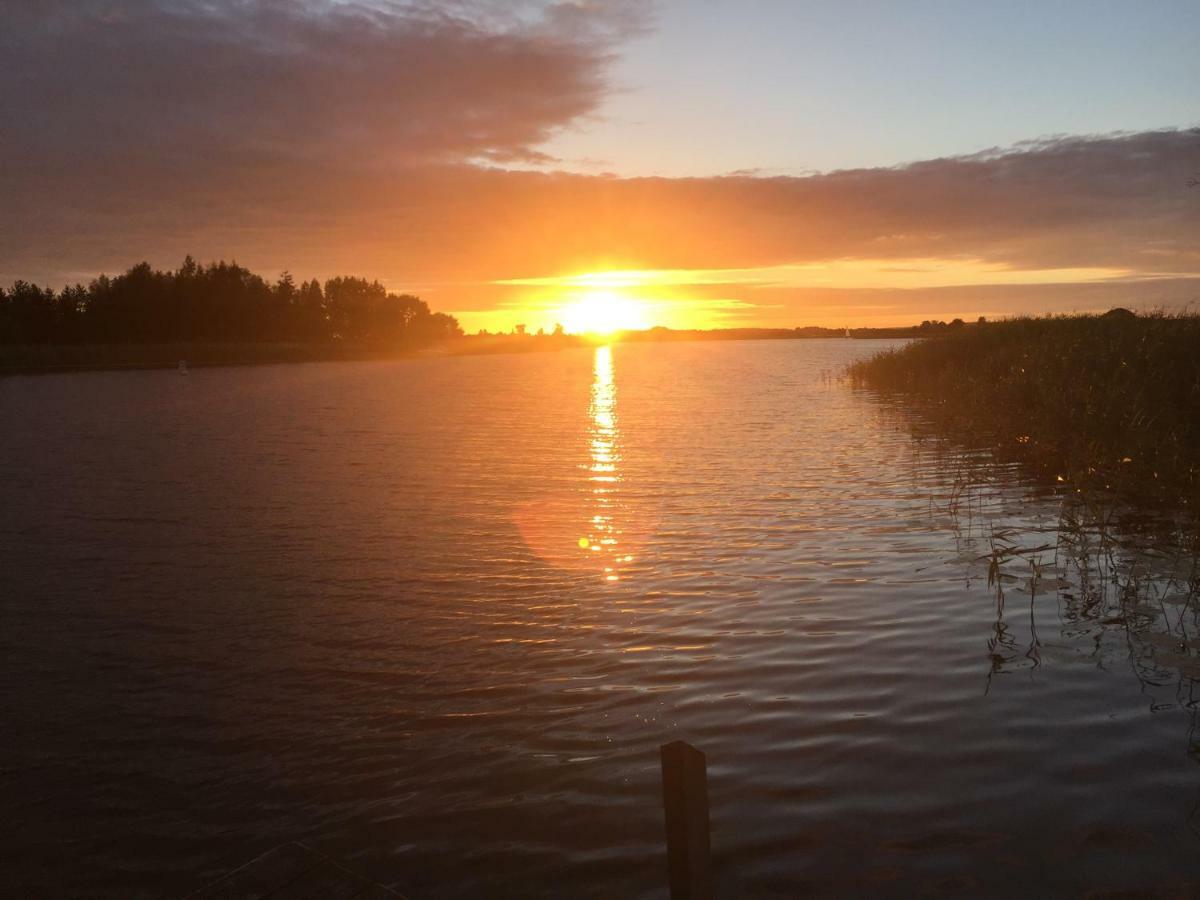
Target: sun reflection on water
[592, 528]
[602, 537]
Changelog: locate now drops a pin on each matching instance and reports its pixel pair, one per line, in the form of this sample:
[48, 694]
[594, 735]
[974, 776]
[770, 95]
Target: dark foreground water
[435, 618]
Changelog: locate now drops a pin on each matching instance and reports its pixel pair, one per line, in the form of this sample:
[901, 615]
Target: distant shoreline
[46, 359]
[524, 343]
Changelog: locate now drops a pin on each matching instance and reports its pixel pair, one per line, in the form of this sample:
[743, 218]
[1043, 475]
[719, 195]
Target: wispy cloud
[837, 273]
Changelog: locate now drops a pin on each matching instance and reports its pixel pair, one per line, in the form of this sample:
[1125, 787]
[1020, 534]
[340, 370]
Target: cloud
[211, 82]
[331, 137]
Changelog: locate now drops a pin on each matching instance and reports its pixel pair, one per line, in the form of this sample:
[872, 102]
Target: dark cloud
[347, 84]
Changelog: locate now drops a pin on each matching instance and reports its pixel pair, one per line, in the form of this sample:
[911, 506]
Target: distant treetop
[218, 302]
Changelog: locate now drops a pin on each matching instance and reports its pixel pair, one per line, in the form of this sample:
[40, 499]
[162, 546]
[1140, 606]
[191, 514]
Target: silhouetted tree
[29, 312]
[219, 302]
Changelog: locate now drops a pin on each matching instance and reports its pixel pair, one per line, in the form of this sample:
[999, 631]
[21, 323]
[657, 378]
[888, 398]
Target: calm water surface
[435, 618]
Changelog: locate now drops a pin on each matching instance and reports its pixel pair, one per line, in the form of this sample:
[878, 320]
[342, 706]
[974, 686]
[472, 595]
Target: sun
[603, 312]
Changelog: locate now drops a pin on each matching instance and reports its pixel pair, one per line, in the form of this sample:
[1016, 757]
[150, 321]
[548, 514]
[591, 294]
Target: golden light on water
[603, 535]
[594, 529]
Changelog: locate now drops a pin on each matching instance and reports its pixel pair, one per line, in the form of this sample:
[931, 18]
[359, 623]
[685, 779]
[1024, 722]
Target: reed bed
[1109, 402]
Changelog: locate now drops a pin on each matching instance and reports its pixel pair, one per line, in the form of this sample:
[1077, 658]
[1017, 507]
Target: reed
[1103, 412]
[1109, 402]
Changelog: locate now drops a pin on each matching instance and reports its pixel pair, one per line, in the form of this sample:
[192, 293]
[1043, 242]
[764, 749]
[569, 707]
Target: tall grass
[1109, 402]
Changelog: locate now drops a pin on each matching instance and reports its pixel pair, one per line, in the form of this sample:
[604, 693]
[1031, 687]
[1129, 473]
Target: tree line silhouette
[218, 302]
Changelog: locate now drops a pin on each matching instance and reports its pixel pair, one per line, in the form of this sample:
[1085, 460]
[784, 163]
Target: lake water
[435, 618]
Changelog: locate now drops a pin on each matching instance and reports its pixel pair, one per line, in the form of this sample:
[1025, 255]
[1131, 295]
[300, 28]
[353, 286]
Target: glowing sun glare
[603, 312]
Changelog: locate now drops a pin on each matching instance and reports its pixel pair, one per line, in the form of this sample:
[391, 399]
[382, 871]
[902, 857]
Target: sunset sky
[693, 164]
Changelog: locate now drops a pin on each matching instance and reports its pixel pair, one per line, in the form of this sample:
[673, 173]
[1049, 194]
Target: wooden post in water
[685, 800]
